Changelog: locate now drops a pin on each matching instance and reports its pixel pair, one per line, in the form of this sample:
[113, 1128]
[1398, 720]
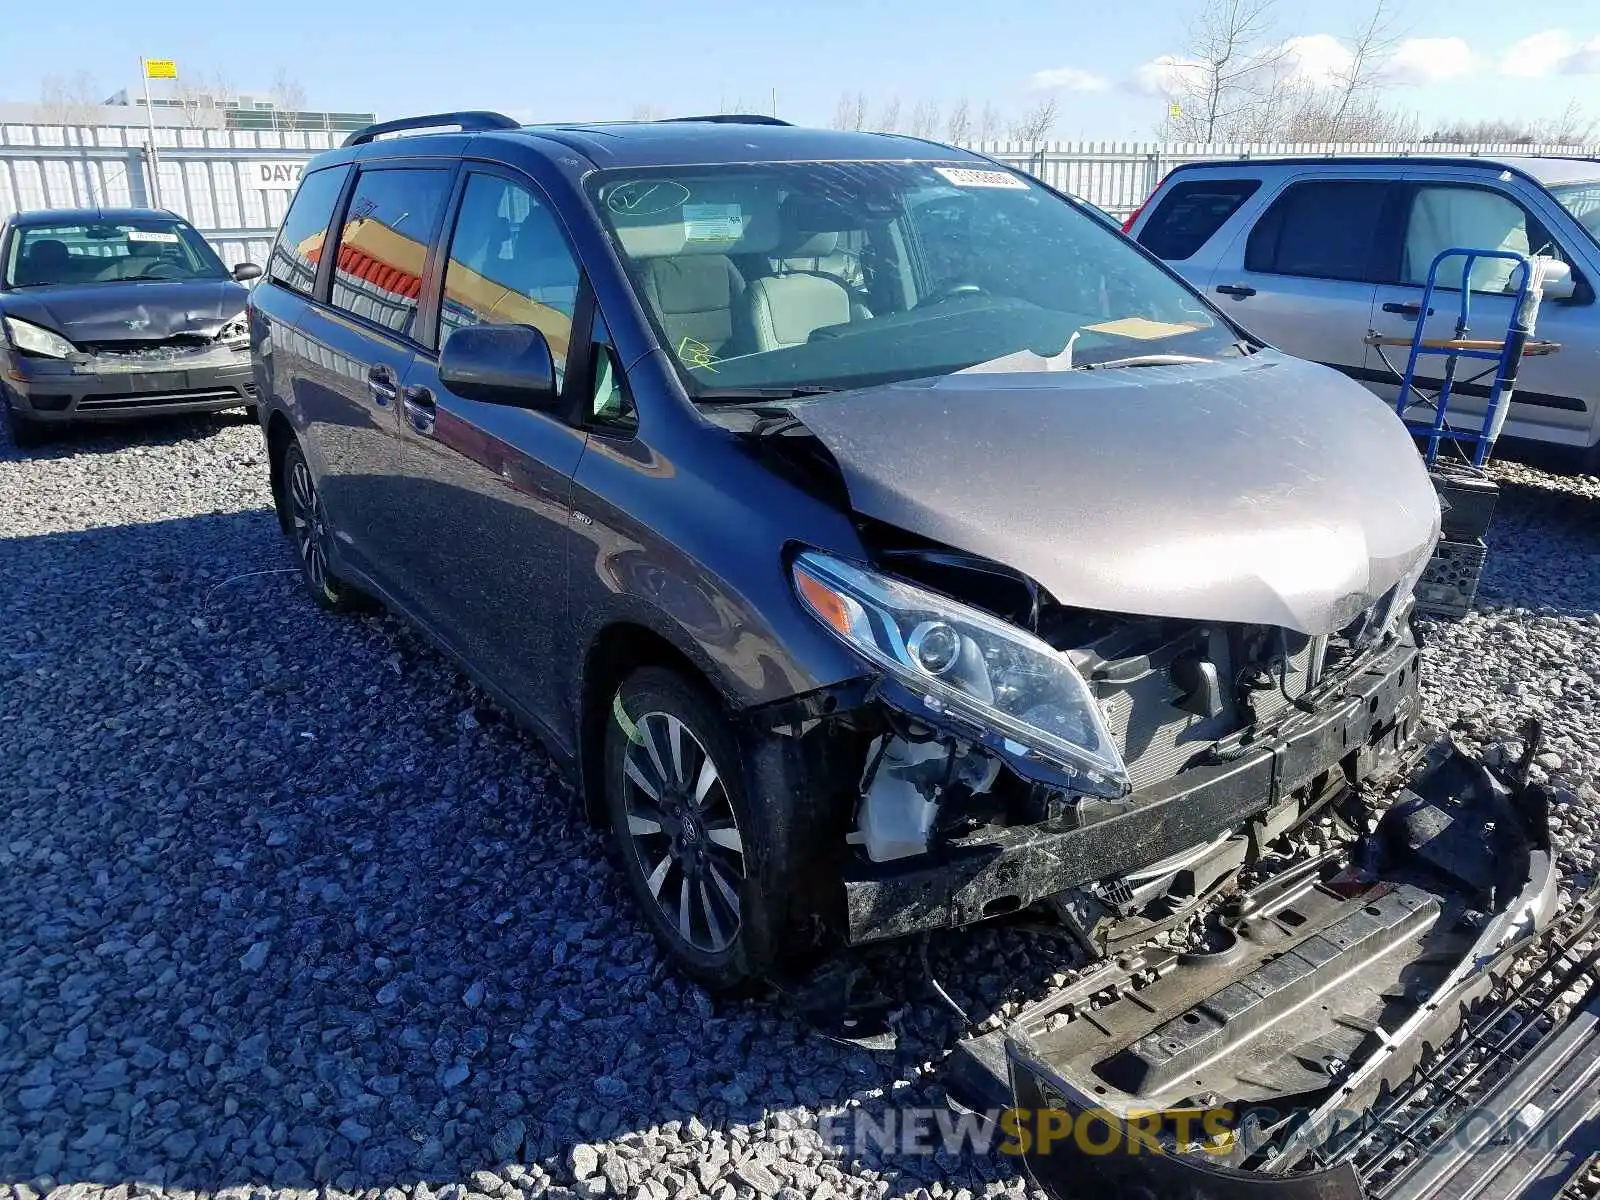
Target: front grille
[115, 400]
[142, 347]
[1147, 675]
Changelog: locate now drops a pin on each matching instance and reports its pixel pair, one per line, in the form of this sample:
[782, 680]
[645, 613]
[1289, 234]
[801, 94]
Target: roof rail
[733, 119]
[467, 122]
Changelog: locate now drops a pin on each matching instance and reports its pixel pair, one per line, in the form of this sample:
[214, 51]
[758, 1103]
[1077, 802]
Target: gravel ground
[285, 905]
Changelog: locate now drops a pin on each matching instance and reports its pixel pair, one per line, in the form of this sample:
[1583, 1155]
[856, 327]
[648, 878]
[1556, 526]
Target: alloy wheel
[310, 526]
[683, 831]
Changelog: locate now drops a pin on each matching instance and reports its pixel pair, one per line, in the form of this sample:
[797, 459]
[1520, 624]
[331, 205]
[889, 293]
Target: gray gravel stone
[262, 886]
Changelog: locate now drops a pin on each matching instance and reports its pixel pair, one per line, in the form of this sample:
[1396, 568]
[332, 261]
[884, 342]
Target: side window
[384, 244]
[509, 265]
[612, 403]
[1443, 217]
[295, 254]
[1190, 213]
[1322, 230]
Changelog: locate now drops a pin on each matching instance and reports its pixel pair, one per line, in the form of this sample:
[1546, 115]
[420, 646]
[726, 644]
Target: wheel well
[619, 651]
[280, 436]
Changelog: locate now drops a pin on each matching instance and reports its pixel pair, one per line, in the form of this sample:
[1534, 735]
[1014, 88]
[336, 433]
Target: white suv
[1309, 254]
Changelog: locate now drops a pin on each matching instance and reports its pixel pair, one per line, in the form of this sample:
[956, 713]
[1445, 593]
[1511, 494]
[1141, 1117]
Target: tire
[311, 537]
[24, 434]
[698, 859]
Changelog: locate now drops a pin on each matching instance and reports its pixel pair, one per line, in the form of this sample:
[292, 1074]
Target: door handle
[421, 411]
[1405, 310]
[383, 384]
[1236, 289]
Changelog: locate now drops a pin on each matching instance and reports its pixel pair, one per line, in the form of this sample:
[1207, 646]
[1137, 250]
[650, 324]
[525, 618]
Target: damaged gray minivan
[890, 545]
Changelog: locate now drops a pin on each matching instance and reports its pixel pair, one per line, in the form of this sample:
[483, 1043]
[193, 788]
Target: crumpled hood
[1262, 490]
[146, 310]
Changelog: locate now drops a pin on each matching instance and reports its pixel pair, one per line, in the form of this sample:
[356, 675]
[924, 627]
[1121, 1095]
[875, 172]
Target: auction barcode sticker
[967, 177]
[150, 235]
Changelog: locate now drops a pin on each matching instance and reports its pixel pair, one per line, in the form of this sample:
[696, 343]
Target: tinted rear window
[1324, 230]
[1190, 213]
[383, 246]
[299, 245]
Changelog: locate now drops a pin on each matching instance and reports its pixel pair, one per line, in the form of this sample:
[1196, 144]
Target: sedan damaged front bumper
[1275, 1062]
[111, 386]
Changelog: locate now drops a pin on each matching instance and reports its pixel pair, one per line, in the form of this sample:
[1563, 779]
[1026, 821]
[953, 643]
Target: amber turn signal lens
[824, 601]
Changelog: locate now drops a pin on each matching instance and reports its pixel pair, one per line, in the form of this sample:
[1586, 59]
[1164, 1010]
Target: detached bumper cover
[1369, 721]
[107, 386]
[1278, 1065]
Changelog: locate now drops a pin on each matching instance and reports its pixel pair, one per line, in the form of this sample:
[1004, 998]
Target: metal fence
[1119, 176]
[206, 175]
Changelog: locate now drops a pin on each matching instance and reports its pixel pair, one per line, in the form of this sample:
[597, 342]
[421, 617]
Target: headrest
[661, 218]
[48, 252]
[808, 245]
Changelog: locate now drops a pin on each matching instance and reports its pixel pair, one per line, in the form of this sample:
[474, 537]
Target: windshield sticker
[966, 177]
[646, 197]
[150, 235]
[1142, 329]
[713, 222]
[696, 354]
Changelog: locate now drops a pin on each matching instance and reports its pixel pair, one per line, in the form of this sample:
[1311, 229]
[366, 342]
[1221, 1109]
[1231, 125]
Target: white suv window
[1444, 217]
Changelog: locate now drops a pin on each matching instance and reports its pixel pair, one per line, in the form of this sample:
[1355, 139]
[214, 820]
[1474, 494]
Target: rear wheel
[709, 868]
[308, 528]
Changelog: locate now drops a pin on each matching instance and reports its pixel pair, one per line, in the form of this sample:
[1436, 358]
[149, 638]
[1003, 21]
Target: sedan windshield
[73, 255]
[797, 276]
[1582, 200]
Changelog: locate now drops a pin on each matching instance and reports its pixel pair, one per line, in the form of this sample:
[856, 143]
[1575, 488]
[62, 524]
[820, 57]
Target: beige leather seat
[786, 308]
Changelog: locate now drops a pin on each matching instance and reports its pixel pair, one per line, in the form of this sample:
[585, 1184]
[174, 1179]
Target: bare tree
[958, 125]
[1036, 124]
[288, 98]
[851, 111]
[648, 112]
[69, 99]
[1371, 47]
[991, 125]
[889, 116]
[924, 120]
[1573, 127]
[1229, 60]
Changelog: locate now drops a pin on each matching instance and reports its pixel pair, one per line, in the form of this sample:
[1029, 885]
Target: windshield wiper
[738, 395]
[1146, 360]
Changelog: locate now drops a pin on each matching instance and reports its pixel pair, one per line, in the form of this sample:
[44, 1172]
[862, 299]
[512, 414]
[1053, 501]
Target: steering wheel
[161, 270]
[951, 291]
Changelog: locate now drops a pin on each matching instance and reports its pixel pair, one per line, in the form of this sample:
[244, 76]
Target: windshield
[1582, 200]
[832, 275]
[108, 252]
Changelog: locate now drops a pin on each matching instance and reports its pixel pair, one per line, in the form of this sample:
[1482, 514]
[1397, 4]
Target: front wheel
[708, 867]
[24, 434]
[307, 523]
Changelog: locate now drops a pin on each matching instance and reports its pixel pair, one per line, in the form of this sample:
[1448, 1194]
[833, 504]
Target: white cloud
[1553, 52]
[1428, 60]
[1068, 79]
[1162, 76]
[1316, 58]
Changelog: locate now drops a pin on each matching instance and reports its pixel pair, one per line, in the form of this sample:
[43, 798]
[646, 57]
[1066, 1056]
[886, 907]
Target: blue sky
[602, 60]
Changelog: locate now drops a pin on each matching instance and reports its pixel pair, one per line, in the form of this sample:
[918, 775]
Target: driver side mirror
[1558, 282]
[246, 271]
[499, 364]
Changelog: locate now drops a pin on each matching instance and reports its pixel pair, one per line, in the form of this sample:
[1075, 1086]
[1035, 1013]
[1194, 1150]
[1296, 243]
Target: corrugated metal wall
[44, 166]
[47, 166]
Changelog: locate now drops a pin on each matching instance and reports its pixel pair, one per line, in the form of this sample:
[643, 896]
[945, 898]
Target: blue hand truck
[1506, 353]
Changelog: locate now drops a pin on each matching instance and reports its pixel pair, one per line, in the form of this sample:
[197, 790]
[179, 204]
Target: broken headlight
[964, 661]
[236, 333]
[33, 339]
